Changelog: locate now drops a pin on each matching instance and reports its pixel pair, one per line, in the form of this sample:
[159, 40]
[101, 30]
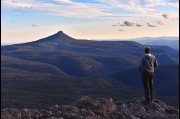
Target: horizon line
[118, 39]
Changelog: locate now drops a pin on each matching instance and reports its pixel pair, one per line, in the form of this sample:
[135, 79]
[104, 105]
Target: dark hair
[147, 50]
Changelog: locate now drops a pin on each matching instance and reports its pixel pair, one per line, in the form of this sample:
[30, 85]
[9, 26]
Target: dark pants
[147, 79]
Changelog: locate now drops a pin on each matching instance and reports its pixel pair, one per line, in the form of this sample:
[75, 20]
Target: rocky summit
[97, 108]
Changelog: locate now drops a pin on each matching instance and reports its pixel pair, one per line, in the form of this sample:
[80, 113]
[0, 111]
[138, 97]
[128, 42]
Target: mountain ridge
[43, 66]
[172, 42]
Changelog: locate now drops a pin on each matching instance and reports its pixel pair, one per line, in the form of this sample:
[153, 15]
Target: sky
[30, 20]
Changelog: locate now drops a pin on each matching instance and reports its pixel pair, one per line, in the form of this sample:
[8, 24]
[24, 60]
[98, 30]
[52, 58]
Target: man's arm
[155, 63]
[141, 65]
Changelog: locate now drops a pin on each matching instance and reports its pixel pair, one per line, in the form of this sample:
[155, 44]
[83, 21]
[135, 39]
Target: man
[148, 64]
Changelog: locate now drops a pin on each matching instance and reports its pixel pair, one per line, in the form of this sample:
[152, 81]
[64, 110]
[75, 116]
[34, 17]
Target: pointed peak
[59, 36]
[60, 32]
[62, 36]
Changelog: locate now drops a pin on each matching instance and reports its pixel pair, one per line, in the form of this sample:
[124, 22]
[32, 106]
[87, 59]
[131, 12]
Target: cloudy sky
[29, 20]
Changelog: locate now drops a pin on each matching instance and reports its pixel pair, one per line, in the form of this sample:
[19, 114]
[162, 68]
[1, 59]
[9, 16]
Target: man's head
[147, 50]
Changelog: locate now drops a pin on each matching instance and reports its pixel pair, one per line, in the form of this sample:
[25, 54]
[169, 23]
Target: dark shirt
[148, 63]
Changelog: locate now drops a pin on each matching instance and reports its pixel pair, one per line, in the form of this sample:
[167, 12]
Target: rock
[97, 108]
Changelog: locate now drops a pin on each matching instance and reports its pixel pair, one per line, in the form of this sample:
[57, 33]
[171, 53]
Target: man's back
[148, 63]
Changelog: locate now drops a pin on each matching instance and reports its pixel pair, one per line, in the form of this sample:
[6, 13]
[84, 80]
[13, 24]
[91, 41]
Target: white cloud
[167, 16]
[121, 24]
[16, 4]
[142, 23]
[104, 9]
[129, 5]
[121, 30]
[174, 3]
[65, 1]
[34, 25]
[151, 24]
[138, 25]
[154, 3]
[155, 23]
[161, 22]
[170, 16]
[70, 9]
[130, 23]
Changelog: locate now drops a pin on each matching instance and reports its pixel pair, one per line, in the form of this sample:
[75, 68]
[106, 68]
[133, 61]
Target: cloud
[65, 1]
[151, 24]
[99, 9]
[34, 25]
[129, 5]
[121, 30]
[174, 3]
[154, 3]
[70, 9]
[161, 22]
[13, 22]
[16, 4]
[167, 16]
[142, 23]
[130, 23]
[171, 16]
[121, 24]
[138, 25]
[155, 23]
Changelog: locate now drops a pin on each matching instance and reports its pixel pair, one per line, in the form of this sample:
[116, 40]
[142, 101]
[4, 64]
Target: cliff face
[97, 108]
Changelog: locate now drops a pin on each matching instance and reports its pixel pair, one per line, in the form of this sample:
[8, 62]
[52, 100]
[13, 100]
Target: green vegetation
[45, 93]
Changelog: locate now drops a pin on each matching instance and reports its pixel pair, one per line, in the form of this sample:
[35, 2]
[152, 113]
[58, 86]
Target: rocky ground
[97, 108]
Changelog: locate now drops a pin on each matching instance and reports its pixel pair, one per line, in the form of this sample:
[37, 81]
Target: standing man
[148, 64]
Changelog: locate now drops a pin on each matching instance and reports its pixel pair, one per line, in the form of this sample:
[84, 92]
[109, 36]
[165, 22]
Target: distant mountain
[165, 82]
[5, 44]
[59, 69]
[84, 57]
[14, 68]
[172, 42]
[165, 74]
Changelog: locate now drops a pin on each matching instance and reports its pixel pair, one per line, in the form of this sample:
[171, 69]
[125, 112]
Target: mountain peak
[60, 32]
[58, 37]
[62, 36]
